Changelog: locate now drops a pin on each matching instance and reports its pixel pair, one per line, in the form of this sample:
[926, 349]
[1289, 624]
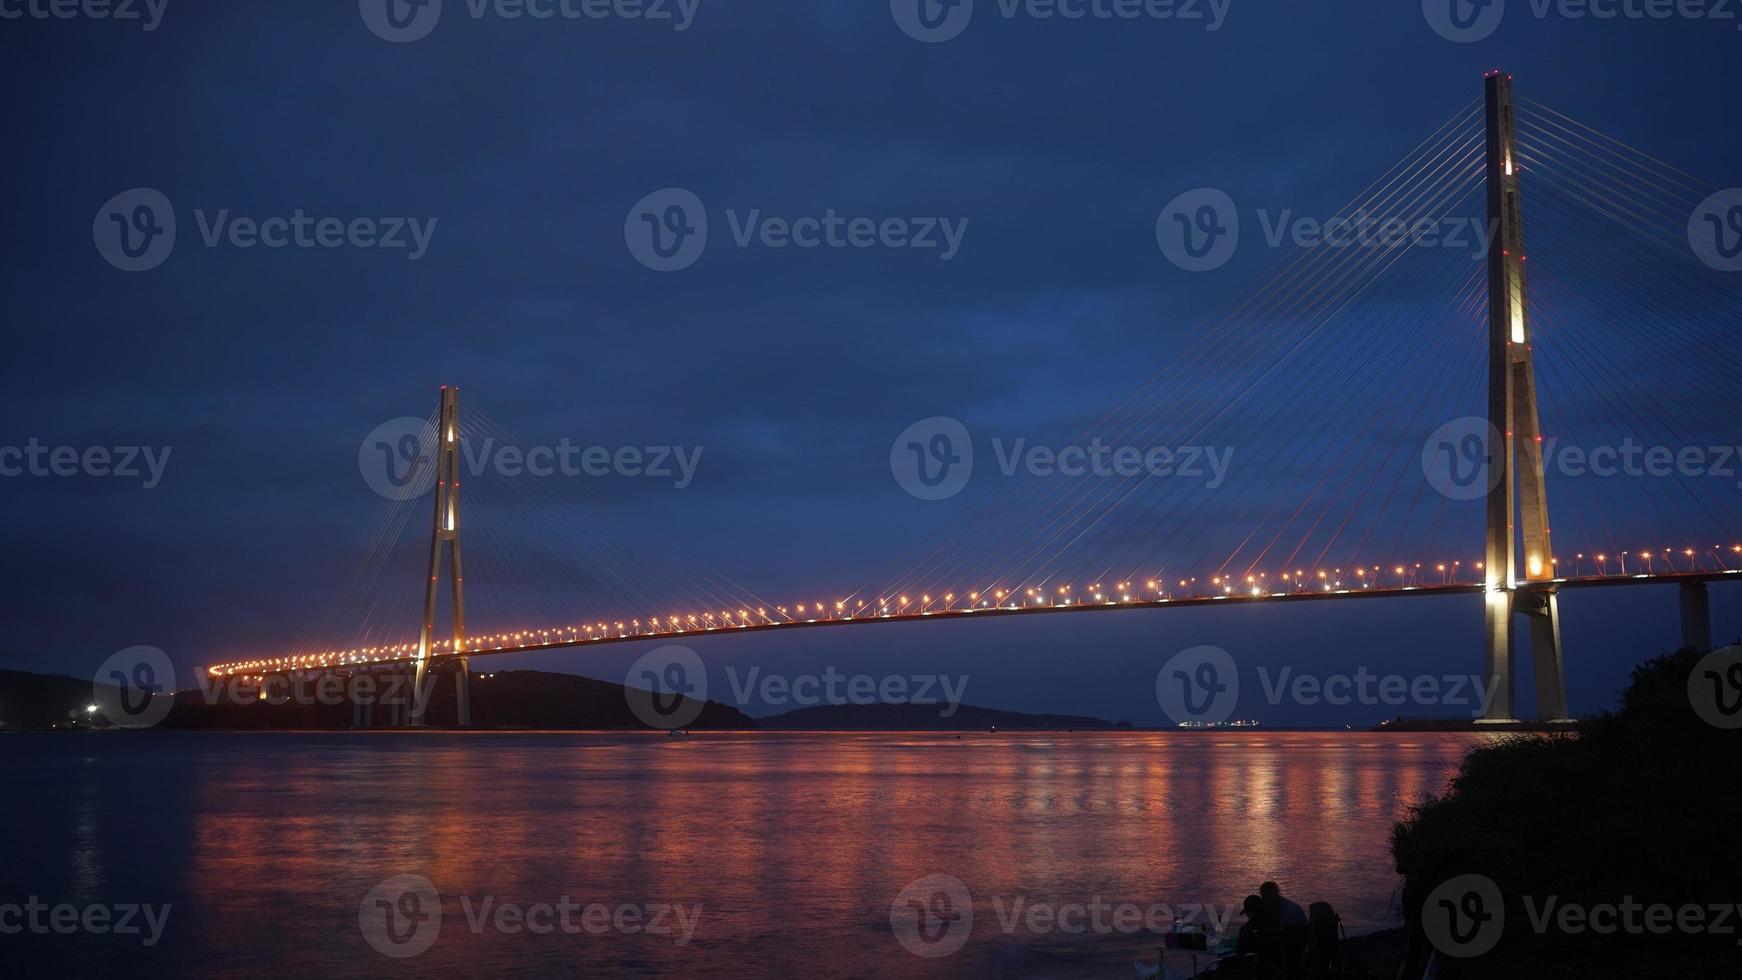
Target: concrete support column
[463, 691]
[1498, 672]
[1545, 658]
[404, 687]
[1696, 617]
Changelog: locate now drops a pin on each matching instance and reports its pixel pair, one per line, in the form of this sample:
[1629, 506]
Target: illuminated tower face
[446, 531]
[1517, 494]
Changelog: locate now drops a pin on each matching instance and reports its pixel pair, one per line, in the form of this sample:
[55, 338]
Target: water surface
[787, 850]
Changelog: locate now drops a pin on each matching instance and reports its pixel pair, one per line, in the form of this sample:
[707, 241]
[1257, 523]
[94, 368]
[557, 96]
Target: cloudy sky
[511, 161]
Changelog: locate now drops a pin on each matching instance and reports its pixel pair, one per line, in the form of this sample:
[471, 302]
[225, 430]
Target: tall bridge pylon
[1517, 491]
[446, 530]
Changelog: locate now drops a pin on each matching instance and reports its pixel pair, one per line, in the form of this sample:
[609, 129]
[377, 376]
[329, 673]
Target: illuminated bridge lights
[1254, 585]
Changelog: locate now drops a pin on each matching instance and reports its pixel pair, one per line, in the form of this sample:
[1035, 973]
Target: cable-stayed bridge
[1409, 413]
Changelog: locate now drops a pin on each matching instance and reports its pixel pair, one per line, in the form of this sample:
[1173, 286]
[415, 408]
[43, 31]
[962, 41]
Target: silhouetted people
[1291, 920]
[1415, 891]
[1287, 913]
[1325, 954]
[1282, 941]
[1260, 937]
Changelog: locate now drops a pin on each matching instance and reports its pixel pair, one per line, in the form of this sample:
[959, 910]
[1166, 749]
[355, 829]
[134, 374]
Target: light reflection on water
[792, 845]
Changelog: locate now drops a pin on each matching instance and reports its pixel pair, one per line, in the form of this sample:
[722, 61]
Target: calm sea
[717, 855]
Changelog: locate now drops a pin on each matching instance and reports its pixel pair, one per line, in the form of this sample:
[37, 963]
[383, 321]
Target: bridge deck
[992, 612]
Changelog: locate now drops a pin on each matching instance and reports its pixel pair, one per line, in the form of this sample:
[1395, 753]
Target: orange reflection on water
[792, 845]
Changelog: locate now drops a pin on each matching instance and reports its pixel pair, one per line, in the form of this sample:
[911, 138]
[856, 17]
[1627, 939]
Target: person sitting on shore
[1291, 921]
[1260, 936]
[1288, 914]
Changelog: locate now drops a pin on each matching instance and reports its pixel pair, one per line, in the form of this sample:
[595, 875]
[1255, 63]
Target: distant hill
[507, 699]
[30, 700]
[924, 717]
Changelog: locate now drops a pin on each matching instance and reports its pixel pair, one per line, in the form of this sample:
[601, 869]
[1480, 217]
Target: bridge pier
[398, 713]
[1543, 611]
[1498, 670]
[1696, 617]
[463, 691]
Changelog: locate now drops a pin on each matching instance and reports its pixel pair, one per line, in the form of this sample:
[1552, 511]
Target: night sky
[528, 142]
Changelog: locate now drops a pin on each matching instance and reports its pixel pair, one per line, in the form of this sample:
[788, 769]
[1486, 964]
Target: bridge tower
[1517, 493]
[445, 531]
